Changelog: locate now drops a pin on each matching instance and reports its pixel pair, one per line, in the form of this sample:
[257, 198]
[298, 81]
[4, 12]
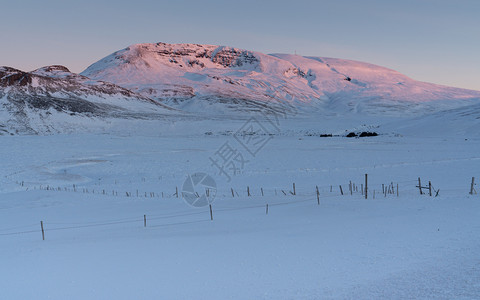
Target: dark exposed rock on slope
[33, 102]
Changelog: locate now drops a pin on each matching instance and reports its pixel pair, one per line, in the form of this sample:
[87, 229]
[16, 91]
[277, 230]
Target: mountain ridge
[173, 82]
[52, 99]
[181, 75]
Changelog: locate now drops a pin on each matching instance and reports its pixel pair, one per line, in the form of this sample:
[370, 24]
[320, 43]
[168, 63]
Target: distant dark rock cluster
[366, 133]
[351, 134]
[318, 134]
[362, 134]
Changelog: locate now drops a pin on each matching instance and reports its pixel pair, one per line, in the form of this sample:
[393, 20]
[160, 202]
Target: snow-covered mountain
[217, 79]
[52, 99]
[182, 82]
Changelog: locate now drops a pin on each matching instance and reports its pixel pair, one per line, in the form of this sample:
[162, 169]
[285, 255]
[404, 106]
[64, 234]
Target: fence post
[341, 190]
[420, 186]
[318, 195]
[294, 191]
[211, 213]
[266, 209]
[366, 186]
[430, 188]
[144, 220]
[43, 231]
[471, 186]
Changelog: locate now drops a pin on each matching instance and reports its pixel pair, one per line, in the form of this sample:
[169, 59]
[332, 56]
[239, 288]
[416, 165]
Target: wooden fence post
[430, 188]
[144, 220]
[420, 186]
[471, 186]
[211, 213]
[266, 209]
[43, 232]
[294, 191]
[341, 190]
[318, 195]
[366, 186]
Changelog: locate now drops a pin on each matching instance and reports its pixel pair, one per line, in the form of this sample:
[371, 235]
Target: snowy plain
[409, 246]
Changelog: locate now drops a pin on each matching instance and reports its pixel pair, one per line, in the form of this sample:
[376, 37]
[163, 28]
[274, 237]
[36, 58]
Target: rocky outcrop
[13, 77]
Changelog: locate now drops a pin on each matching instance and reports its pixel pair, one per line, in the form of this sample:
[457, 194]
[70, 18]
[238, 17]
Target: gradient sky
[430, 40]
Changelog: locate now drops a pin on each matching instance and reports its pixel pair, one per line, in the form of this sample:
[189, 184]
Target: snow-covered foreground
[96, 246]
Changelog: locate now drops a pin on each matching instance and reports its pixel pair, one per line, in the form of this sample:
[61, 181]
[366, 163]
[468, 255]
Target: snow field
[97, 247]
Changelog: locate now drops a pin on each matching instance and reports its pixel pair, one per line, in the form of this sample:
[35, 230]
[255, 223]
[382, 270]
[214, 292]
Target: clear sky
[430, 40]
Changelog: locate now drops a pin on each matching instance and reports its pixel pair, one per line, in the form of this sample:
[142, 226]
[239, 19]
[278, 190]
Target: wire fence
[314, 197]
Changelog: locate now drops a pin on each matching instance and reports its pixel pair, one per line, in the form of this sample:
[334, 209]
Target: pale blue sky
[430, 40]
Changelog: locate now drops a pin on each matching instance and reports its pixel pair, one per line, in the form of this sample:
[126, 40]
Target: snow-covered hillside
[52, 99]
[199, 77]
[184, 83]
